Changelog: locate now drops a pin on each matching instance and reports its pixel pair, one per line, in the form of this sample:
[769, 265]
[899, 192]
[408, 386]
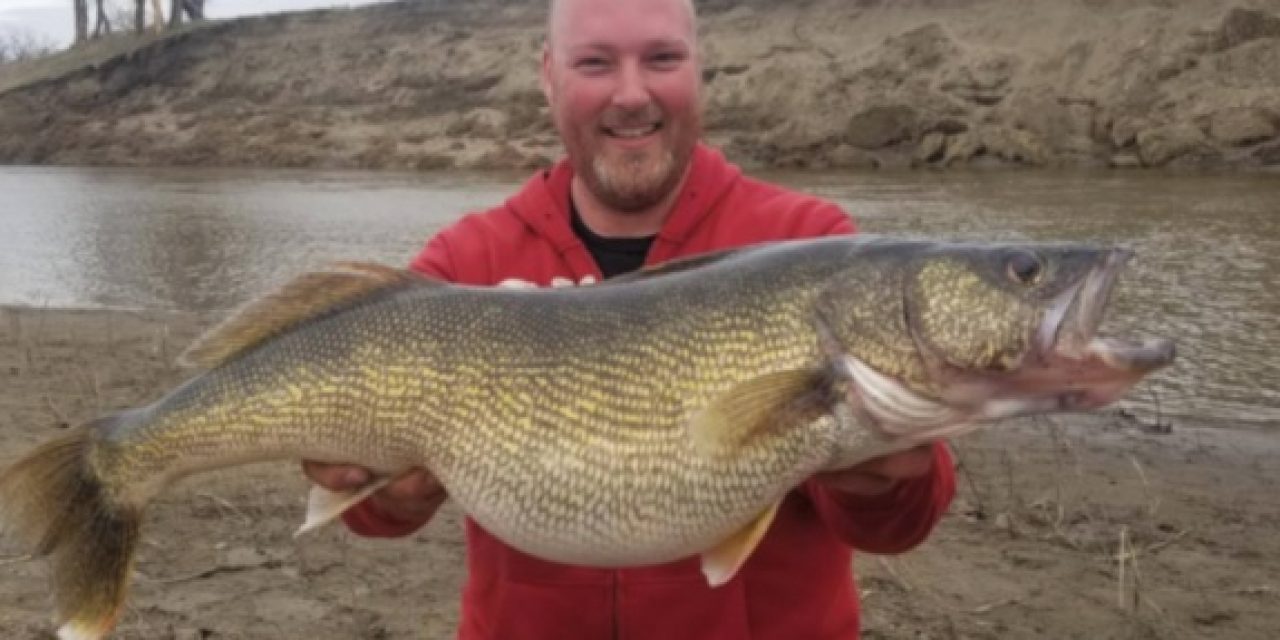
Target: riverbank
[1028, 550]
[821, 84]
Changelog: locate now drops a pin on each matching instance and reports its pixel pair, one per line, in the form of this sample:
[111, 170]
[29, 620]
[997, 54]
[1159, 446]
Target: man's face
[622, 79]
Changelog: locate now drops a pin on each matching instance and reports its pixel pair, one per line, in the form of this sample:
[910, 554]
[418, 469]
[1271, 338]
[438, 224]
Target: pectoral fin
[721, 563]
[324, 505]
[752, 407]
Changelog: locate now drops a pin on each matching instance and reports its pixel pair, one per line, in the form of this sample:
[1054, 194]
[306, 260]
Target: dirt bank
[1028, 551]
[813, 83]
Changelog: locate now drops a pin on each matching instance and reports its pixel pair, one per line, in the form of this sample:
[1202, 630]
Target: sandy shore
[1029, 550]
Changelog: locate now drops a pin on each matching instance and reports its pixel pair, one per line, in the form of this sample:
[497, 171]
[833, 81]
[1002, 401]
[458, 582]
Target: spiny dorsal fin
[770, 401]
[308, 296]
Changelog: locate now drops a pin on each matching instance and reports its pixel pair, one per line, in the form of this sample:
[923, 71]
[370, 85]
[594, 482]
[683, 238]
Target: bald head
[562, 15]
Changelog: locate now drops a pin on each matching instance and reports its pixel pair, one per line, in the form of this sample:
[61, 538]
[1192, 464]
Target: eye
[591, 64]
[666, 59]
[1024, 267]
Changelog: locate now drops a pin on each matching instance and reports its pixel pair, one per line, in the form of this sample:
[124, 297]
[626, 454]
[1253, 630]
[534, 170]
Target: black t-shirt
[614, 256]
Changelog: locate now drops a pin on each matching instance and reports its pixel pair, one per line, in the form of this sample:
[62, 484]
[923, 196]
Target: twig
[991, 606]
[162, 349]
[1120, 556]
[1153, 503]
[1128, 555]
[62, 417]
[227, 506]
[1156, 546]
[968, 476]
[4, 562]
[222, 568]
[1259, 590]
[902, 582]
[1160, 426]
[97, 391]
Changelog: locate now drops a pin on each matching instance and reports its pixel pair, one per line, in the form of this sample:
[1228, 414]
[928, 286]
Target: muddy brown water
[205, 240]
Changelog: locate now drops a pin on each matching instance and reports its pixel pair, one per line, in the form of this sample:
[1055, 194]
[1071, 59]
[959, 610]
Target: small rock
[245, 557]
[1268, 154]
[984, 82]
[931, 148]
[1124, 131]
[880, 126]
[961, 147]
[1125, 161]
[922, 48]
[949, 126]
[847, 156]
[1240, 127]
[483, 122]
[1013, 145]
[1242, 25]
[1158, 146]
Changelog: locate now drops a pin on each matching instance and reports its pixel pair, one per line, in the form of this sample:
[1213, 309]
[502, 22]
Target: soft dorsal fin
[306, 297]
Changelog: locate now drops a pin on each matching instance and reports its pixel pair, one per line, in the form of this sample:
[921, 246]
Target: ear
[544, 77]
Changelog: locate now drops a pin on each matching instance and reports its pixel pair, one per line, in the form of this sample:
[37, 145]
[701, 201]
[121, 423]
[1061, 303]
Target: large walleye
[637, 421]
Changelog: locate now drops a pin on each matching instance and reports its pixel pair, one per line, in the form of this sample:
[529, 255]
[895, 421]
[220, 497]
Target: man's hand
[413, 497]
[878, 476]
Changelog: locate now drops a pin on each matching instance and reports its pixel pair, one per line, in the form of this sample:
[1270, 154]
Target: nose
[632, 91]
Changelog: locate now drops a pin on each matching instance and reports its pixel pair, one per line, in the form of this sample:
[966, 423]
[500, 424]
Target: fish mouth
[1078, 367]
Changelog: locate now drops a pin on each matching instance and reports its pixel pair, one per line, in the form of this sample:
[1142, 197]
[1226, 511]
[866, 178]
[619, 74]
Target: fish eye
[1024, 267]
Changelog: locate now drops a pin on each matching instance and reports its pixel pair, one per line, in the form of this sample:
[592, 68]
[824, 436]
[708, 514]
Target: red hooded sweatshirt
[799, 581]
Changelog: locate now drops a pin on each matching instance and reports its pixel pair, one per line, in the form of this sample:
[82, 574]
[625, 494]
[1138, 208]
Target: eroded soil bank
[814, 83]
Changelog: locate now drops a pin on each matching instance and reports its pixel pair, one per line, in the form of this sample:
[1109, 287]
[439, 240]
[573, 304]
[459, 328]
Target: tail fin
[53, 502]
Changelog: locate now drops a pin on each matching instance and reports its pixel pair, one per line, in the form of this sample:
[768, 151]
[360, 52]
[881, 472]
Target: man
[622, 80]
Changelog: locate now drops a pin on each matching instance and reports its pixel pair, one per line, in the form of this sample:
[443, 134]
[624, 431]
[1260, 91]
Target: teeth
[633, 132]
[1148, 355]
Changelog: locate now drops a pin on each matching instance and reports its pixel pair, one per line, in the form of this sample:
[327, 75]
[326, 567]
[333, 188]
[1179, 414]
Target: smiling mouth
[632, 132]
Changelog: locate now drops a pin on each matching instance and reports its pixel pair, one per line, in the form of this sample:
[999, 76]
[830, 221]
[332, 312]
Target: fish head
[936, 335]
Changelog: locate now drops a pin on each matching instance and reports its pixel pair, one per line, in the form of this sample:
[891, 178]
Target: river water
[200, 240]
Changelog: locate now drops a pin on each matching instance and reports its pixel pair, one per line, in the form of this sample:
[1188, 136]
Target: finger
[911, 463]
[860, 483]
[336, 477]
[414, 497]
[414, 485]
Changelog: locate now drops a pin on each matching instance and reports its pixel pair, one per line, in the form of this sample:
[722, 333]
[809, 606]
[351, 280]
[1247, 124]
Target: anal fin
[324, 505]
[722, 562]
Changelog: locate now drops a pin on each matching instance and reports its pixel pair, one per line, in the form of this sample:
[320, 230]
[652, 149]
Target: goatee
[635, 181]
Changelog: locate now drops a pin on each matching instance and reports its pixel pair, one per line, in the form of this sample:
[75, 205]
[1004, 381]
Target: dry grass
[15, 75]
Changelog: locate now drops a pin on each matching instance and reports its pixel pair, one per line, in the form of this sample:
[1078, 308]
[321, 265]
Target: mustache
[625, 118]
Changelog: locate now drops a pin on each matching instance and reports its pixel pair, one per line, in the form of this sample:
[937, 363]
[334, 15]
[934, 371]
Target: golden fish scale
[557, 419]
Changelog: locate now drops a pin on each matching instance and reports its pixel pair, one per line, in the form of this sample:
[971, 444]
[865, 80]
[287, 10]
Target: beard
[631, 181]
[636, 180]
